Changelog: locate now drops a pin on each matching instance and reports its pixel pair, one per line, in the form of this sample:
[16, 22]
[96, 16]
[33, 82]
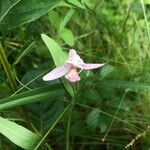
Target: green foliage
[25, 52]
[32, 96]
[25, 11]
[18, 134]
[55, 50]
[67, 36]
[132, 86]
[110, 104]
[107, 71]
[44, 114]
[56, 53]
[97, 120]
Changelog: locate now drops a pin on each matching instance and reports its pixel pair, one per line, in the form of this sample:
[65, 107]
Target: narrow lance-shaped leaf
[18, 134]
[33, 96]
[59, 57]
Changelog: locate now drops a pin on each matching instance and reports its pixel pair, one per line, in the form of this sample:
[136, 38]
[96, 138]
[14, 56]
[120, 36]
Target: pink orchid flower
[69, 69]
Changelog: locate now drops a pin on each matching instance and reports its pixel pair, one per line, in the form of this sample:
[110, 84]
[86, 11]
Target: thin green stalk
[37, 132]
[25, 85]
[145, 17]
[146, 23]
[44, 137]
[69, 123]
[12, 80]
[116, 113]
[7, 68]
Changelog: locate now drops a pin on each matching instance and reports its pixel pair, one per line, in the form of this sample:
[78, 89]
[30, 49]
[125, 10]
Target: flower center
[72, 75]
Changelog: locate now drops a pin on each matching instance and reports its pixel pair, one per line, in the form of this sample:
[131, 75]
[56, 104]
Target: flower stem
[50, 129]
[69, 123]
[8, 71]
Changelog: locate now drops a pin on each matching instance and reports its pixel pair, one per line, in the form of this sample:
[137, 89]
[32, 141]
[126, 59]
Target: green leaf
[77, 18]
[92, 119]
[106, 71]
[6, 6]
[58, 55]
[67, 36]
[114, 103]
[32, 96]
[59, 58]
[15, 13]
[54, 18]
[76, 3]
[25, 52]
[44, 114]
[97, 120]
[132, 86]
[66, 19]
[92, 95]
[52, 126]
[89, 4]
[147, 2]
[18, 134]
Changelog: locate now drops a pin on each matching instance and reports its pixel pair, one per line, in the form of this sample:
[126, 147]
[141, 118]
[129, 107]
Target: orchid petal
[73, 78]
[56, 73]
[72, 75]
[89, 66]
[74, 59]
[72, 54]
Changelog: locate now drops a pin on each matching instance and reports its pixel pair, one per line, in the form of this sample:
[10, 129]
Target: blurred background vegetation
[113, 103]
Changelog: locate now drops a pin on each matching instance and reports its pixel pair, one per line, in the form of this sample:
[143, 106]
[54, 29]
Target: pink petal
[72, 54]
[72, 75]
[89, 66]
[56, 73]
[74, 59]
[73, 78]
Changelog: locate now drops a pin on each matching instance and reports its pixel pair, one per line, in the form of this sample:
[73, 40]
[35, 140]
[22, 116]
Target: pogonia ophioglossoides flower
[69, 69]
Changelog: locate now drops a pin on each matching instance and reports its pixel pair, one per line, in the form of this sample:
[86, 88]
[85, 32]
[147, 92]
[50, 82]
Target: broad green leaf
[97, 120]
[59, 57]
[6, 6]
[32, 96]
[106, 71]
[15, 13]
[67, 36]
[93, 118]
[18, 134]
